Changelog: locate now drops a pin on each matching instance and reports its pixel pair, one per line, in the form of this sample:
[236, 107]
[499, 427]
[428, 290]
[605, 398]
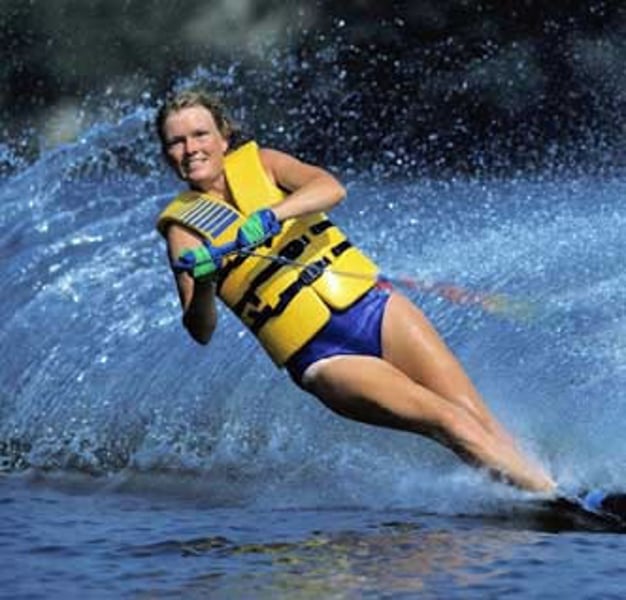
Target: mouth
[191, 163]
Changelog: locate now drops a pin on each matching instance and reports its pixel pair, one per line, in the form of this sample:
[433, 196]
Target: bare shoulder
[271, 155]
[287, 170]
[275, 160]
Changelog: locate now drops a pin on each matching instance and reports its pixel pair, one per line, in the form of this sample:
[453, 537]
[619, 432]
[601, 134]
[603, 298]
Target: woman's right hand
[201, 262]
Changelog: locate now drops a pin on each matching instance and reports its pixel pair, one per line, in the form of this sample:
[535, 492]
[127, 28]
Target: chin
[199, 183]
[197, 177]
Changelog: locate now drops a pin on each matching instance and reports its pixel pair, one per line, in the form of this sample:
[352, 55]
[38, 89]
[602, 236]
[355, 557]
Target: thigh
[412, 345]
[371, 390]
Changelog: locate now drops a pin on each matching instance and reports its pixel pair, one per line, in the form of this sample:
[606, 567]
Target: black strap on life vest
[315, 229]
[284, 258]
[305, 278]
[290, 252]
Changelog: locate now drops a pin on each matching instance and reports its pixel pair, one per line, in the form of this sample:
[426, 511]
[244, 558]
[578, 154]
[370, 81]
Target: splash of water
[97, 375]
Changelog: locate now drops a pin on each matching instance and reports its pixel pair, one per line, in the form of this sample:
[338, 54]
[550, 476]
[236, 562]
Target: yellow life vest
[283, 304]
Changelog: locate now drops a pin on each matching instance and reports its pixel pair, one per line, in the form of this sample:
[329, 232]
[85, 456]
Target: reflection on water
[395, 557]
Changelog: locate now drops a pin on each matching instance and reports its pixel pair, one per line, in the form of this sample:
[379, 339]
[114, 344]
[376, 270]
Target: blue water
[138, 464]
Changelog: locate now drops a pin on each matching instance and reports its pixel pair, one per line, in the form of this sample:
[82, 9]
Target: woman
[366, 353]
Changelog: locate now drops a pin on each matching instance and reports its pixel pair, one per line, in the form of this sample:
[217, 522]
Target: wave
[98, 377]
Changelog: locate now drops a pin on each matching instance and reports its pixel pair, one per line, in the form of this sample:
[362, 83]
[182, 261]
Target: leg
[371, 390]
[411, 344]
[420, 386]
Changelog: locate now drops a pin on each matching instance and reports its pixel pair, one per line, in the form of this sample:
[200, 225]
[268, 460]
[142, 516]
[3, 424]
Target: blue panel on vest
[209, 217]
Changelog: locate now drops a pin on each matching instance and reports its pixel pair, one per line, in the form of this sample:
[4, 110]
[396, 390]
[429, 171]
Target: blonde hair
[187, 98]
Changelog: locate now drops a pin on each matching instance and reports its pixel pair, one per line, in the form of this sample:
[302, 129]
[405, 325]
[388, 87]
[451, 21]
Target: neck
[217, 187]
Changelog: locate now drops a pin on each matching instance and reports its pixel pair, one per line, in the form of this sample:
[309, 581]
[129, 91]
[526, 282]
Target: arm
[197, 298]
[310, 189]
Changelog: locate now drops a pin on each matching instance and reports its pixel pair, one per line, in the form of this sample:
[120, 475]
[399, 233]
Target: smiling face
[195, 147]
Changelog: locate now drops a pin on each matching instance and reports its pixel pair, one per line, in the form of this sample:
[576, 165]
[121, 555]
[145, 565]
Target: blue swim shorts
[356, 330]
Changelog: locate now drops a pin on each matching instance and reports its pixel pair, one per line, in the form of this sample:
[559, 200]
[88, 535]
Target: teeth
[190, 163]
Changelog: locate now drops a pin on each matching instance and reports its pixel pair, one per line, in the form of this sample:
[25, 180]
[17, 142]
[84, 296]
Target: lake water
[75, 538]
[139, 465]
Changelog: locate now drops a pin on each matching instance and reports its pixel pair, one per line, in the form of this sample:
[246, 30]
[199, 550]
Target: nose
[191, 145]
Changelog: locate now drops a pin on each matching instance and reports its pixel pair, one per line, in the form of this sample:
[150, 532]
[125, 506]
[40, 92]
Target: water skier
[366, 352]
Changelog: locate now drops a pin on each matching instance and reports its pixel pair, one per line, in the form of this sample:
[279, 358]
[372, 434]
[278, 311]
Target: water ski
[596, 509]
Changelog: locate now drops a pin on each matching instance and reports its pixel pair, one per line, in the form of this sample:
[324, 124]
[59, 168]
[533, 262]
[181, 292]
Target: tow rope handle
[228, 248]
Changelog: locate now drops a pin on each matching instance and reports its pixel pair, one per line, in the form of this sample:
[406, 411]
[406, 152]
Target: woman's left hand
[257, 228]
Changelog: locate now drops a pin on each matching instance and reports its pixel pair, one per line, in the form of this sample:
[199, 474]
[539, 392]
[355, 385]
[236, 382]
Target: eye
[171, 143]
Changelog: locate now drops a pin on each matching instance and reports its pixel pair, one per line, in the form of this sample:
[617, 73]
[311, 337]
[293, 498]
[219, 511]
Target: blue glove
[257, 228]
[201, 262]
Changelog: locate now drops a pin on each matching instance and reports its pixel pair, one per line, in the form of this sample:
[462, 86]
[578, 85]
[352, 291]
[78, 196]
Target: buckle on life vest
[312, 271]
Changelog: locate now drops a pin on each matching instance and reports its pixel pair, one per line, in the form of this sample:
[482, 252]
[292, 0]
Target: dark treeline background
[425, 86]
